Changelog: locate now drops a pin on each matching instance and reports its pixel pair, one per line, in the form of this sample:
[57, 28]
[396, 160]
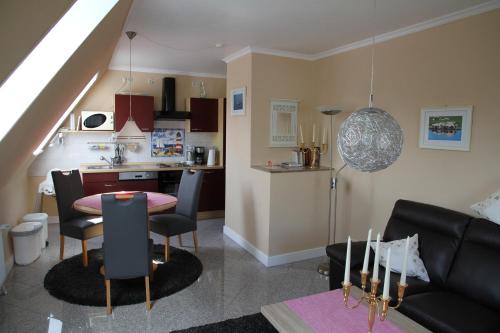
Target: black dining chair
[72, 223]
[128, 251]
[185, 216]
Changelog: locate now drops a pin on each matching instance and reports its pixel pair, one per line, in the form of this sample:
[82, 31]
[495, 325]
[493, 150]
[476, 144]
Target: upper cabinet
[204, 114]
[142, 111]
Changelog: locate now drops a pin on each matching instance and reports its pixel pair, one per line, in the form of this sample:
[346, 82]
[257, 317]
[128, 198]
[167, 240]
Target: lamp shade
[370, 140]
[130, 131]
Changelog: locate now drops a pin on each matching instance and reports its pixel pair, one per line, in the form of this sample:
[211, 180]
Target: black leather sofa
[462, 257]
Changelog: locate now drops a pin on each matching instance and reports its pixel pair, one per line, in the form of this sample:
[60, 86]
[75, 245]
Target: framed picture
[446, 127]
[283, 123]
[167, 142]
[238, 101]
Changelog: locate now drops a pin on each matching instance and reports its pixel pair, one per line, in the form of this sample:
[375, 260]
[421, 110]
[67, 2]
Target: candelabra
[372, 299]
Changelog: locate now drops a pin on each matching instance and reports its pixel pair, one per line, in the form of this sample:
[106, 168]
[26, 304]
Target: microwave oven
[98, 121]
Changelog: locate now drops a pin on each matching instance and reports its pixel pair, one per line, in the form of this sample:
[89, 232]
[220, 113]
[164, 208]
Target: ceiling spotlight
[218, 45]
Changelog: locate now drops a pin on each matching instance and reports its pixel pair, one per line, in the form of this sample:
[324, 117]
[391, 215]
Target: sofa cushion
[440, 231]
[476, 270]
[448, 312]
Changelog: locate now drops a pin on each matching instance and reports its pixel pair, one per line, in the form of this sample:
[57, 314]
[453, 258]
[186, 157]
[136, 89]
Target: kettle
[189, 155]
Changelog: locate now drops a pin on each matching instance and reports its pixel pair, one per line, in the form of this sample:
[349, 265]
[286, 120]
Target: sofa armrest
[337, 252]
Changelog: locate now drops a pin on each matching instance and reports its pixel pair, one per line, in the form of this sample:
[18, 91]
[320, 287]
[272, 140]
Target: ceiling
[180, 36]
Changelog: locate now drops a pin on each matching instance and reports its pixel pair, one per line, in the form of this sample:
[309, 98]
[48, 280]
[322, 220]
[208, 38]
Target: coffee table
[303, 315]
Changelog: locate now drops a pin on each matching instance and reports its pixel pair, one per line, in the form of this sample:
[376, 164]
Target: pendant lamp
[370, 139]
[130, 131]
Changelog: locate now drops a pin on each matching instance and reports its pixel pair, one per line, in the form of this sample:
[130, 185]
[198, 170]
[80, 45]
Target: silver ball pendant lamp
[370, 139]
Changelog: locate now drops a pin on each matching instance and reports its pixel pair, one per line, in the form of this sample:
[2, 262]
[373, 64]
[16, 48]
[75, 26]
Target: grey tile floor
[233, 284]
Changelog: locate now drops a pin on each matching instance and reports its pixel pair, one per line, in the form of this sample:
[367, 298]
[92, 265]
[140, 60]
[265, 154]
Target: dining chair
[72, 223]
[185, 216]
[128, 251]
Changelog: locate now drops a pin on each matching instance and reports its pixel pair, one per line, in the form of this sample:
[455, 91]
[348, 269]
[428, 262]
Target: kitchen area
[182, 119]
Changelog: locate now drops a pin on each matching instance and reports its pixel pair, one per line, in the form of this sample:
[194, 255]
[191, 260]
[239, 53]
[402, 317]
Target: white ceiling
[180, 35]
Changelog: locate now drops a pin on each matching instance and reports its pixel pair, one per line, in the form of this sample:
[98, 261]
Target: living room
[411, 58]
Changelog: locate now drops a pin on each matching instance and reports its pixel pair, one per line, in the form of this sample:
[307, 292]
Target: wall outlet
[195, 84]
[151, 81]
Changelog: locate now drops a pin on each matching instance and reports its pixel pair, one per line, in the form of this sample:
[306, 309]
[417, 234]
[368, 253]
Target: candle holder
[374, 302]
[324, 148]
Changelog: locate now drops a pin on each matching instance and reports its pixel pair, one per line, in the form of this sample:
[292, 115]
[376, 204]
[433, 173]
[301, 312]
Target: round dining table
[157, 202]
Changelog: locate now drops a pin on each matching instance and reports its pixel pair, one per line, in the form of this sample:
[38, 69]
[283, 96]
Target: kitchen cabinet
[142, 111]
[204, 114]
[212, 194]
[94, 183]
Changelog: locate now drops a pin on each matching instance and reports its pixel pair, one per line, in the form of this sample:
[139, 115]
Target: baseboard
[276, 260]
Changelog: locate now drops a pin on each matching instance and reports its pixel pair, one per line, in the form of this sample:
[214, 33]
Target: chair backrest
[68, 187]
[126, 241]
[440, 232]
[188, 195]
[475, 270]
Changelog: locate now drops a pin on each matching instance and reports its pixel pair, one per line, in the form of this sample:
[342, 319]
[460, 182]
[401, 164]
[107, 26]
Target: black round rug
[73, 283]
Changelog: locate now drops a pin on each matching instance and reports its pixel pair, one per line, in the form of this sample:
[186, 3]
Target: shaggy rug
[246, 324]
[71, 282]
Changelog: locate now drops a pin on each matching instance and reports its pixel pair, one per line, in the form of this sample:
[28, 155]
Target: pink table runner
[154, 200]
[325, 313]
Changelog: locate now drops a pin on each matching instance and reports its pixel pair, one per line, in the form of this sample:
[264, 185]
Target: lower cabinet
[213, 190]
[94, 183]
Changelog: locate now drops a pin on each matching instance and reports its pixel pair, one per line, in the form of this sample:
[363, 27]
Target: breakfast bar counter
[280, 169]
[129, 167]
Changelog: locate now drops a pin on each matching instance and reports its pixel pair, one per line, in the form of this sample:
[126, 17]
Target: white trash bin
[26, 238]
[43, 218]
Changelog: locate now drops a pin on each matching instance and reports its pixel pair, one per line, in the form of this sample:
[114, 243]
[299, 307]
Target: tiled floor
[233, 283]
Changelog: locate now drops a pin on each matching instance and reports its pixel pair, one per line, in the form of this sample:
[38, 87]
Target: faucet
[111, 164]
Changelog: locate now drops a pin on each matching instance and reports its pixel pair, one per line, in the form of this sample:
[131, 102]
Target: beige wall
[17, 146]
[454, 64]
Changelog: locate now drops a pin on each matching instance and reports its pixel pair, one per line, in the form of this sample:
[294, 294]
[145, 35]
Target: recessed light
[219, 45]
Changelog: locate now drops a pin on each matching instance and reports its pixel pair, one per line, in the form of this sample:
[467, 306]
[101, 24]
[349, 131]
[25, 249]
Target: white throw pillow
[415, 266]
[489, 208]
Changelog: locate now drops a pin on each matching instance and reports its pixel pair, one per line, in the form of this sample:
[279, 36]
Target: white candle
[387, 278]
[324, 136]
[377, 258]
[367, 252]
[347, 270]
[314, 133]
[301, 135]
[402, 281]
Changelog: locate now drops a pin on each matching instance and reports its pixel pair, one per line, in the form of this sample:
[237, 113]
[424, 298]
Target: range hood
[168, 111]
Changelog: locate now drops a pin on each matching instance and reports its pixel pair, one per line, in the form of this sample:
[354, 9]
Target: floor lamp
[332, 111]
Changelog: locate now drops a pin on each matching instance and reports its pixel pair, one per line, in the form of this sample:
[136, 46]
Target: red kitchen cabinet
[94, 183]
[204, 114]
[212, 194]
[142, 111]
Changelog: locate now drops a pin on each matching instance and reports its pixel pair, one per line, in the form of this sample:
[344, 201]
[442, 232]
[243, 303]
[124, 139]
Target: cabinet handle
[109, 185]
[195, 129]
[144, 129]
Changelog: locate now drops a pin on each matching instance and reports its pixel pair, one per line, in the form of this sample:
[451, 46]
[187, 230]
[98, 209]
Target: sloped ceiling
[92, 56]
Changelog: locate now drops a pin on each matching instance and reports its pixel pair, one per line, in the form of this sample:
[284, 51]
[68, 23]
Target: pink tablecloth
[154, 200]
[325, 313]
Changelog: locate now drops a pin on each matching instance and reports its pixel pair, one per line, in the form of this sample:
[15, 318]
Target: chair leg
[84, 254]
[179, 237]
[61, 247]
[148, 296]
[167, 248]
[108, 297]
[195, 241]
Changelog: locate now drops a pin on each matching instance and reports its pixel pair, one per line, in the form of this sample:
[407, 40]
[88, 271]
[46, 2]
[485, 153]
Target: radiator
[4, 231]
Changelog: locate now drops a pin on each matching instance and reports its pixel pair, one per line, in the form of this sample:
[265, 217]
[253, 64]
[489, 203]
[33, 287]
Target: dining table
[157, 202]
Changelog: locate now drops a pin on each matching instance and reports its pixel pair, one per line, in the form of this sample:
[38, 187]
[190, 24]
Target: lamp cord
[370, 101]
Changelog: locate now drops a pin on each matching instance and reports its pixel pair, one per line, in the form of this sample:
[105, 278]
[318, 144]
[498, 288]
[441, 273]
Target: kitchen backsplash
[75, 149]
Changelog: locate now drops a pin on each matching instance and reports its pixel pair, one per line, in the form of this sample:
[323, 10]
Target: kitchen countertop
[84, 168]
[280, 169]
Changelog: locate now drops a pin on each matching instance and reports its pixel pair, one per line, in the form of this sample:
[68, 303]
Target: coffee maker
[199, 155]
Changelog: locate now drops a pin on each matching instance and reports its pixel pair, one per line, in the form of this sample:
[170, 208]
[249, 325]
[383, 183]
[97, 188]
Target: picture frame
[238, 101]
[446, 127]
[283, 129]
[168, 142]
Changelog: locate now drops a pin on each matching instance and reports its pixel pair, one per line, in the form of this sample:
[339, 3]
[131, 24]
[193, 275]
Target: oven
[168, 181]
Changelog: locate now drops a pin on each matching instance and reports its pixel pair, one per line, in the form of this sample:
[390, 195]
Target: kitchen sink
[99, 167]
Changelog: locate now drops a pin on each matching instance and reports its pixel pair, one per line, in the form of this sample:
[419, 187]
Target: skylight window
[39, 150]
[47, 58]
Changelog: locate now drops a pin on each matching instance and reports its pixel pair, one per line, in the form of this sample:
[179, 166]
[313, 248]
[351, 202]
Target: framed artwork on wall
[283, 123]
[238, 101]
[447, 127]
[167, 142]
